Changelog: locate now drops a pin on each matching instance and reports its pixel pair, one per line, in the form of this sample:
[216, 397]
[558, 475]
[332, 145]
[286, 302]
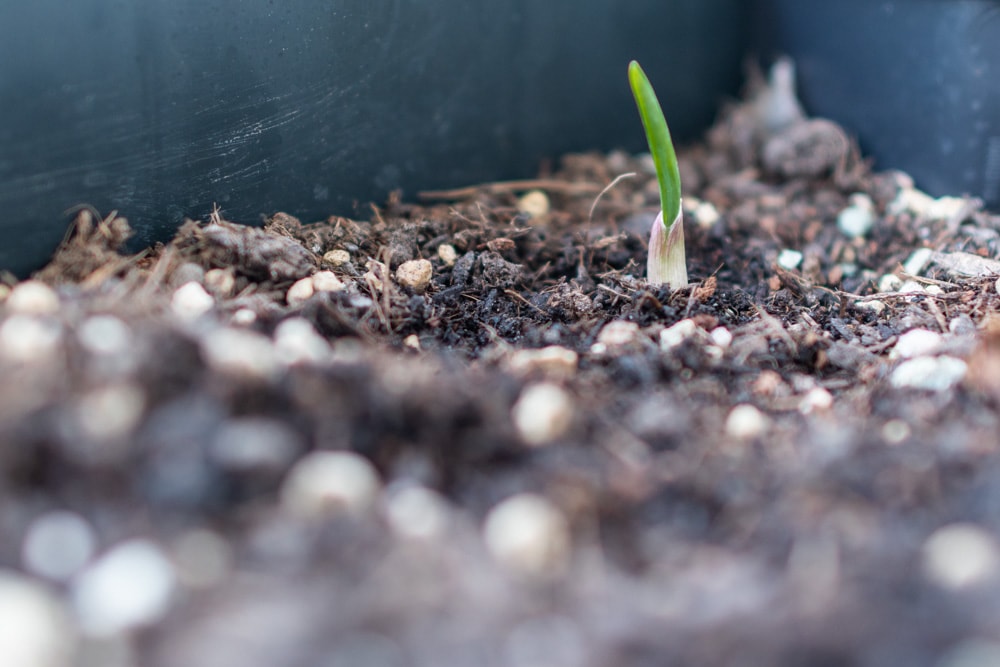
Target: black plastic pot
[161, 108]
[918, 81]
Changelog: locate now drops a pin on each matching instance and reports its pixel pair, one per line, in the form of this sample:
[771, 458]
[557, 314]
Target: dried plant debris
[469, 432]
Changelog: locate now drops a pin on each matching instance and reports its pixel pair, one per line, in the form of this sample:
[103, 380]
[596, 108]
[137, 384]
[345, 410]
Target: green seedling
[666, 263]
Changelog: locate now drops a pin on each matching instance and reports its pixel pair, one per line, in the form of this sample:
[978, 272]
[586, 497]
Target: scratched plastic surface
[160, 109]
[918, 81]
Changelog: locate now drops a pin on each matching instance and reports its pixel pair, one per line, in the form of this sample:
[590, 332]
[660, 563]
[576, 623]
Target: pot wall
[161, 108]
[918, 81]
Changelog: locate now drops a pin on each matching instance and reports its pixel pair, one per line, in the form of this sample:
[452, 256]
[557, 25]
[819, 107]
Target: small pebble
[618, 333]
[554, 362]
[127, 588]
[110, 413]
[535, 204]
[721, 337]
[296, 341]
[528, 534]
[32, 297]
[415, 512]
[673, 336]
[28, 339]
[930, 373]
[255, 445]
[327, 281]
[817, 399]
[57, 545]
[895, 431]
[337, 258]
[300, 292]
[447, 254]
[857, 219]
[877, 307]
[415, 274]
[960, 555]
[745, 422]
[326, 483]
[917, 343]
[789, 259]
[221, 282]
[243, 317]
[918, 261]
[911, 287]
[105, 335]
[889, 283]
[702, 212]
[190, 301]
[35, 630]
[911, 200]
[241, 353]
[543, 413]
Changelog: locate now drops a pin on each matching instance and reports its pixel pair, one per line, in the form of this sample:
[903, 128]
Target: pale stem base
[667, 262]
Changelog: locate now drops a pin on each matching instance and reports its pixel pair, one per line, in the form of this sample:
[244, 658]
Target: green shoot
[666, 263]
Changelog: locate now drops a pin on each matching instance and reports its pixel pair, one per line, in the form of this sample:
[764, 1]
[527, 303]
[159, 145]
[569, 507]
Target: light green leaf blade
[660, 145]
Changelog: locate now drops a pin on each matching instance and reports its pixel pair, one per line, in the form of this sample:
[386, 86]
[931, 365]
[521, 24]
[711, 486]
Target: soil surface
[469, 433]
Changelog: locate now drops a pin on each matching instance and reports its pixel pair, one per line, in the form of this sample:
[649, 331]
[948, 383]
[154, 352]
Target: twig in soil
[926, 281]
[514, 295]
[506, 187]
[597, 199]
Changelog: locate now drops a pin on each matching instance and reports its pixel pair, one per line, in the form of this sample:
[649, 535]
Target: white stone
[203, 558]
[946, 208]
[337, 257]
[243, 317]
[918, 261]
[911, 287]
[220, 281]
[618, 333]
[528, 534]
[415, 274]
[930, 373]
[241, 353]
[29, 339]
[447, 254]
[917, 343]
[789, 259]
[721, 337]
[32, 297]
[857, 219]
[300, 292]
[297, 341]
[416, 512]
[911, 200]
[105, 335]
[110, 412]
[554, 362]
[325, 483]
[35, 630]
[702, 212]
[190, 301]
[128, 588]
[877, 307]
[412, 342]
[960, 555]
[543, 413]
[536, 204]
[816, 399]
[673, 336]
[895, 431]
[745, 422]
[889, 283]
[57, 545]
[327, 281]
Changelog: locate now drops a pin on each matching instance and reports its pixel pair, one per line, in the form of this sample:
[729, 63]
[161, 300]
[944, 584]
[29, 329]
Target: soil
[763, 468]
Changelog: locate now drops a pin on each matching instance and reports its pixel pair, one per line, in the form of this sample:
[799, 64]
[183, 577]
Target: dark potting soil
[794, 461]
